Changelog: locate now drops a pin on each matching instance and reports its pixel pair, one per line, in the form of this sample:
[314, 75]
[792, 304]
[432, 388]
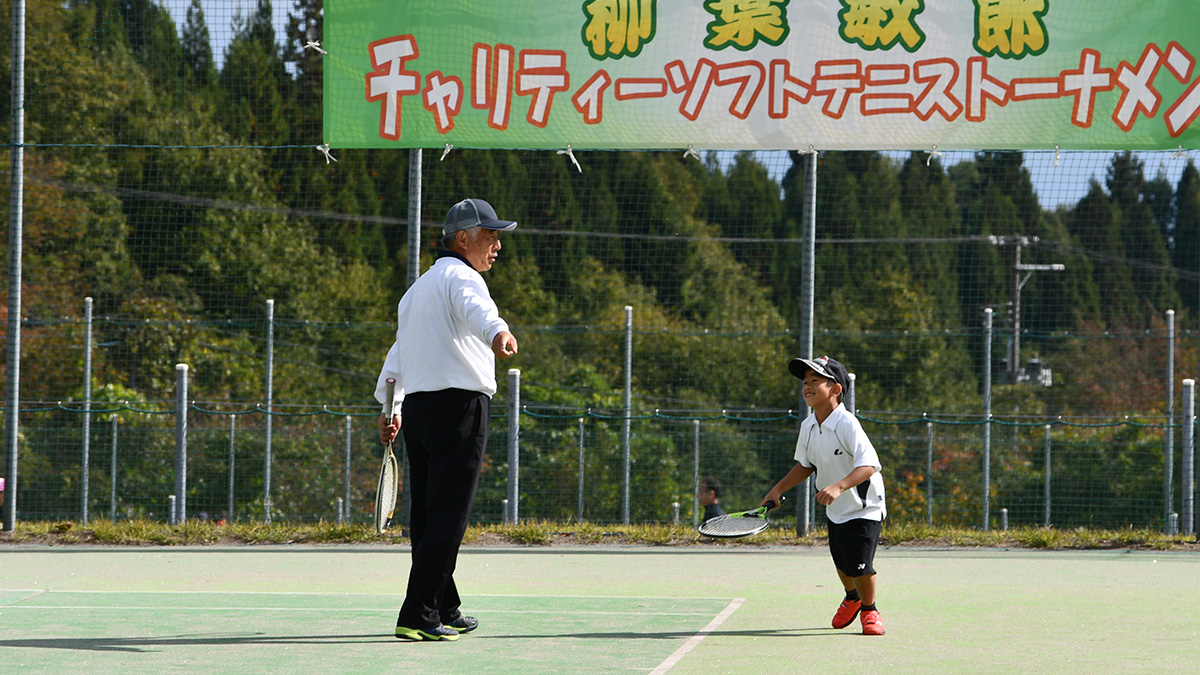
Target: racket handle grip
[391, 398]
[771, 506]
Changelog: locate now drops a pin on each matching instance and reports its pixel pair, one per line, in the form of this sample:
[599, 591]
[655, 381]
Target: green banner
[762, 74]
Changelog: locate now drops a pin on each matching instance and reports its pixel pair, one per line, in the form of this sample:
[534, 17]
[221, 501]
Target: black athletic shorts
[852, 545]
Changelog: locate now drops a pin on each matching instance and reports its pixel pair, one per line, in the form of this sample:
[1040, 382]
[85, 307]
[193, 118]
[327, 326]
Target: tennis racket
[741, 524]
[385, 495]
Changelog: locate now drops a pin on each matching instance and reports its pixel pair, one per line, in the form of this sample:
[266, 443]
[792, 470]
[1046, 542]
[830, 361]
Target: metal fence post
[16, 200]
[851, 377]
[232, 458]
[696, 473]
[1189, 454]
[112, 482]
[804, 513]
[181, 412]
[346, 472]
[514, 447]
[987, 415]
[1169, 431]
[270, 387]
[625, 451]
[87, 405]
[804, 509]
[579, 503]
[929, 473]
[1047, 476]
[414, 214]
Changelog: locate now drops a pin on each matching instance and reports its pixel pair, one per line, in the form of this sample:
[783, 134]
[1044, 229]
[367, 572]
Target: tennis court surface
[331, 609]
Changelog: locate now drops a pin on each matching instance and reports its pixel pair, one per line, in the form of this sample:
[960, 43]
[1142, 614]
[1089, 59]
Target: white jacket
[446, 323]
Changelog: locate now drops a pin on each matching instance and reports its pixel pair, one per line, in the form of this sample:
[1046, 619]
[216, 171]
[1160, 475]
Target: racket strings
[734, 525]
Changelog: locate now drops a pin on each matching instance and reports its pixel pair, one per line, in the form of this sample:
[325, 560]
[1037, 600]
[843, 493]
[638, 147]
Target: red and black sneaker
[871, 623]
[846, 613]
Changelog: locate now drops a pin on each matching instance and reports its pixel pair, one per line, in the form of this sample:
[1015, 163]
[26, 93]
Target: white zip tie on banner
[1056, 155]
[315, 44]
[931, 154]
[691, 151]
[325, 149]
[810, 151]
[1179, 153]
[569, 153]
[446, 152]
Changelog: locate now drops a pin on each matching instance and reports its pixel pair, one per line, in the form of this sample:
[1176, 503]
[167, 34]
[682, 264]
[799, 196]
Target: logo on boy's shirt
[837, 451]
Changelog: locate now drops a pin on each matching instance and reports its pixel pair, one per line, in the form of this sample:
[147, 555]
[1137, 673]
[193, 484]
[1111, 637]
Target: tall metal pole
[232, 464]
[987, 416]
[87, 405]
[849, 397]
[579, 503]
[514, 444]
[414, 215]
[1047, 476]
[181, 411]
[270, 396]
[346, 471]
[1190, 493]
[1014, 357]
[929, 473]
[804, 509]
[1169, 431]
[415, 187]
[16, 195]
[625, 451]
[696, 473]
[112, 487]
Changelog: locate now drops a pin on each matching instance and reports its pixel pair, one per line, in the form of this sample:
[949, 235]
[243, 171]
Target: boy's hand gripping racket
[385, 495]
[741, 524]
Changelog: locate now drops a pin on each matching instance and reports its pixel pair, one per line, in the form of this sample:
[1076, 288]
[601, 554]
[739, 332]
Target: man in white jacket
[448, 337]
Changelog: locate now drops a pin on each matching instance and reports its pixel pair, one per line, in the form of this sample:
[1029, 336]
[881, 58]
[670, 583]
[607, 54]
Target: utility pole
[1018, 281]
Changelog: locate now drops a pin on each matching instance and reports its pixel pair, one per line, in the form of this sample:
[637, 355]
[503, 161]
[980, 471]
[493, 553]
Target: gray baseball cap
[474, 213]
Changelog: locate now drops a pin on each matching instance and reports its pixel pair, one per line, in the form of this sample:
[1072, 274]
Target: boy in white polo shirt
[833, 445]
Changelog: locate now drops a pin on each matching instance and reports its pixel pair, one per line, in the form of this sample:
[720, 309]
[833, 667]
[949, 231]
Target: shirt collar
[447, 253]
[833, 416]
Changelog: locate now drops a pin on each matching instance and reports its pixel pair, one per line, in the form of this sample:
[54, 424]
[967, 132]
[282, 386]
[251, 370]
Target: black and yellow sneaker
[429, 634]
[464, 623]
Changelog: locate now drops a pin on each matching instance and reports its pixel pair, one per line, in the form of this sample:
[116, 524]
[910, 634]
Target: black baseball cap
[823, 366]
[474, 213]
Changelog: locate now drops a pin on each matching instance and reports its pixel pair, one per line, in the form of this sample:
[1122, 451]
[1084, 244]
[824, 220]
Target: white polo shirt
[446, 323]
[834, 449]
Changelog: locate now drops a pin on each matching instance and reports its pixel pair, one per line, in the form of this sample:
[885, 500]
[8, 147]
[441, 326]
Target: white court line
[380, 595]
[695, 639]
[138, 608]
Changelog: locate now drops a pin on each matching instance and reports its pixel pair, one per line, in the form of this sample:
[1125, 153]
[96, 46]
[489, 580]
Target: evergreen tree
[988, 213]
[197, 51]
[1185, 244]
[151, 36]
[1095, 224]
[927, 204]
[1143, 243]
[252, 82]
